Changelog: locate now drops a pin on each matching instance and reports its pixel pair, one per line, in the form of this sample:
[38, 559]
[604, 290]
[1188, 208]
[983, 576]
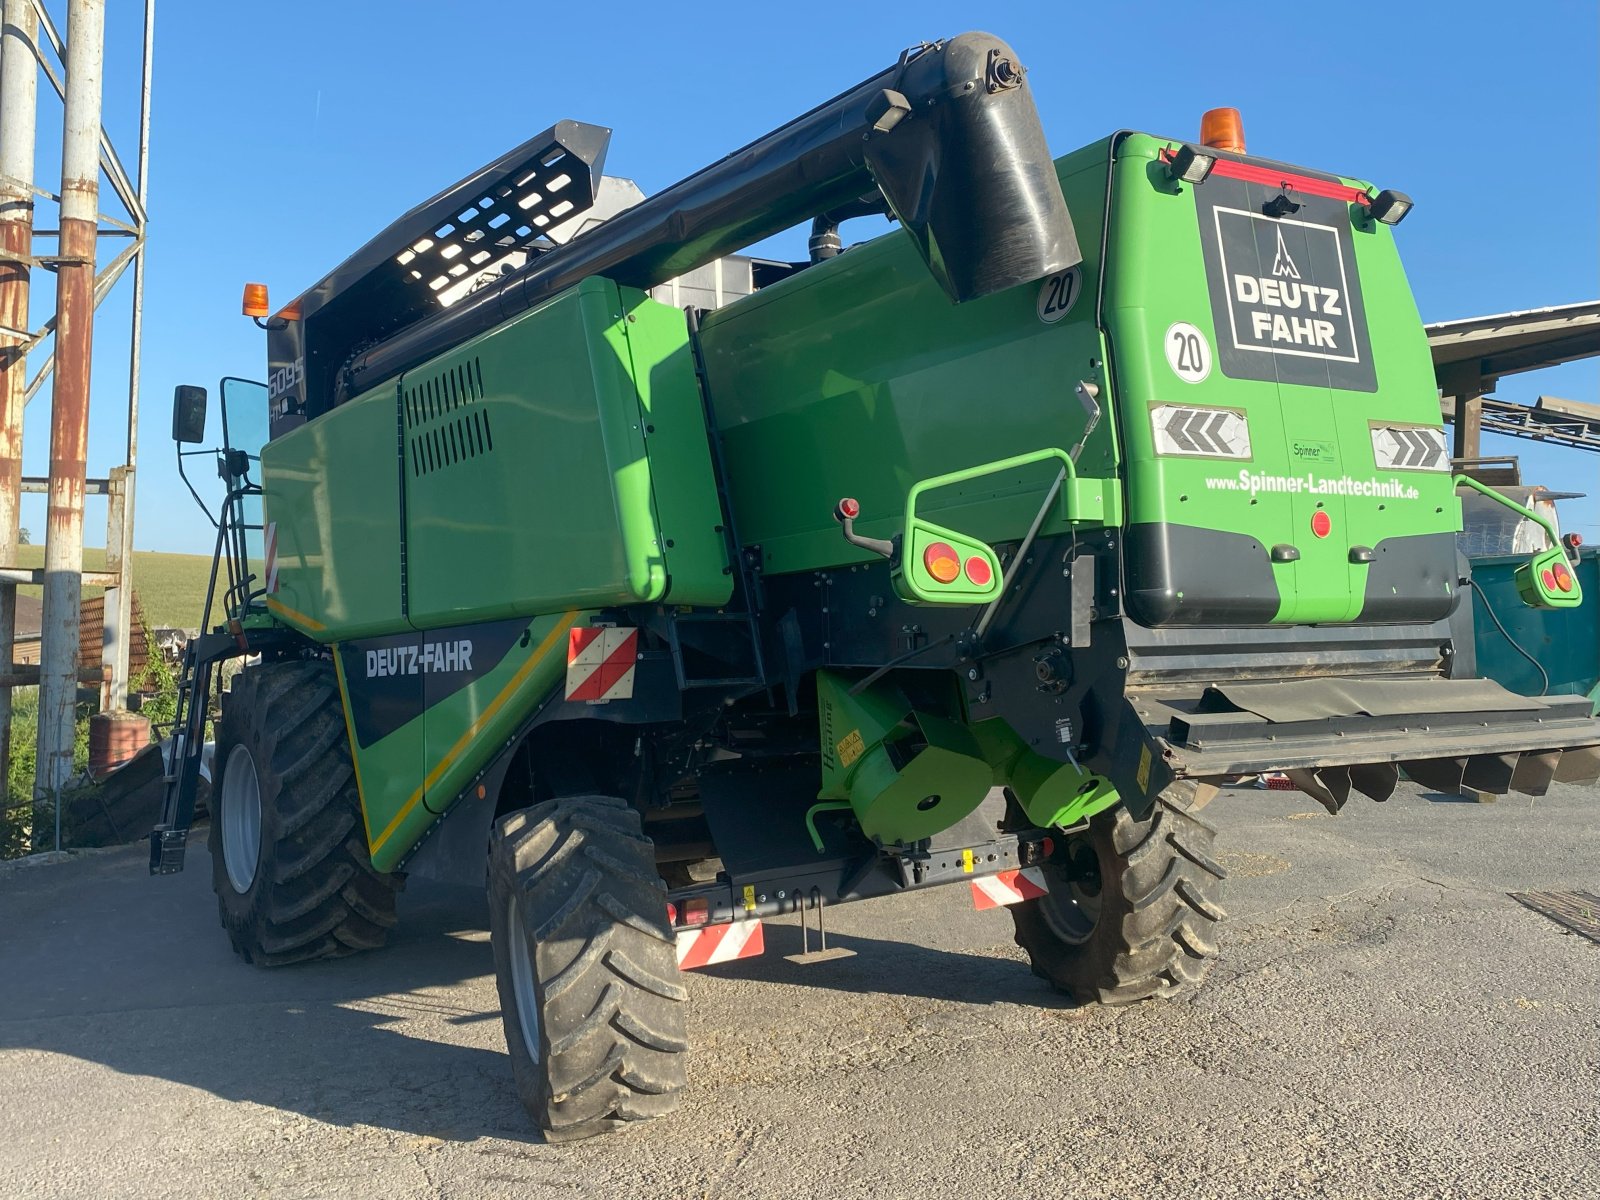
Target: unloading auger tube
[949, 135]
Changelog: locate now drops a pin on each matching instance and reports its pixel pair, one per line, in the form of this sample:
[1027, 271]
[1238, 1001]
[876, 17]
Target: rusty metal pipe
[69, 405]
[19, 97]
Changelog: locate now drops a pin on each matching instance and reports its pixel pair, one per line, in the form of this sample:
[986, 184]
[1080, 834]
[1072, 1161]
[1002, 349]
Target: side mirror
[188, 413]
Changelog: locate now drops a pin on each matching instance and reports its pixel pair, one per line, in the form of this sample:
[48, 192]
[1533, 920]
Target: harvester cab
[982, 552]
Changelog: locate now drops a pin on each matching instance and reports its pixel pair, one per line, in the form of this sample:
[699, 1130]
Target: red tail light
[1321, 523]
[979, 573]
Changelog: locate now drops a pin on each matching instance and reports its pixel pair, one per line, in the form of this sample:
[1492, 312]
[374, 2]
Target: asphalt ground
[1385, 1022]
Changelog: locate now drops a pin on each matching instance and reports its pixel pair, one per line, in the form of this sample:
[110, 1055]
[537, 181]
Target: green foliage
[25, 825]
[159, 685]
[16, 808]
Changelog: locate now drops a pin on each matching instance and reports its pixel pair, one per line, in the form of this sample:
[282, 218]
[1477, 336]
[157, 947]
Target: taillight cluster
[945, 566]
[1556, 578]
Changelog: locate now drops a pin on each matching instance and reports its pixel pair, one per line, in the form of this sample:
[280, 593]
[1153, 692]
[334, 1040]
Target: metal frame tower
[72, 67]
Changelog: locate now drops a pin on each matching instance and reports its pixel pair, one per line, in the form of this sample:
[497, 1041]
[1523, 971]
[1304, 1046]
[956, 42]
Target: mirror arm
[183, 475]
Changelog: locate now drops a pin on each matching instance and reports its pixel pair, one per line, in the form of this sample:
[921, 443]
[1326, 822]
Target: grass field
[171, 587]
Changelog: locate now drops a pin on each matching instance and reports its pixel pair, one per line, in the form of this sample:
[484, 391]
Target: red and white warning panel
[712, 944]
[1008, 887]
[600, 663]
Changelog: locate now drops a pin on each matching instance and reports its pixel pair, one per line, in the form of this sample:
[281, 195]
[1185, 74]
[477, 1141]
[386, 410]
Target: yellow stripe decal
[465, 739]
[350, 732]
[299, 618]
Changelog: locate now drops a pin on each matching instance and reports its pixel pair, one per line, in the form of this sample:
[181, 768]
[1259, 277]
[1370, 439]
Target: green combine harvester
[982, 552]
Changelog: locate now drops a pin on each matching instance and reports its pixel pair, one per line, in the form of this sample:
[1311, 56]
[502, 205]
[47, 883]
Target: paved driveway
[1385, 1023]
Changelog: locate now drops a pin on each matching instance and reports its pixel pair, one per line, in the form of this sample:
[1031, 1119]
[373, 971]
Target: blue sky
[286, 134]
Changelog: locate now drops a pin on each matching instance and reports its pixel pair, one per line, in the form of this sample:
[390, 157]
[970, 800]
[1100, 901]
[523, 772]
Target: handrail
[1069, 469]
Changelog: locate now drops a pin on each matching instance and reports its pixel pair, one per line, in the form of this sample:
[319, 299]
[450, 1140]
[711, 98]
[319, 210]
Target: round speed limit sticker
[1058, 293]
[1188, 352]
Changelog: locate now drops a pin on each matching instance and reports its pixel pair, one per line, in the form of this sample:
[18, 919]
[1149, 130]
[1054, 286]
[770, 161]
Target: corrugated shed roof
[1506, 343]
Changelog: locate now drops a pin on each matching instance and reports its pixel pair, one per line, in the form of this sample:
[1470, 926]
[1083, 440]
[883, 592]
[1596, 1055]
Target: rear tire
[289, 857]
[1132, 911]
[586, 967]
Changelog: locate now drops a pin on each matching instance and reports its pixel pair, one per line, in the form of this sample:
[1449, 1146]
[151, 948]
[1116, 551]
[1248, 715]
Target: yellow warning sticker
[966, 862]
[1144, 769]
[749, 897]
[851, 748]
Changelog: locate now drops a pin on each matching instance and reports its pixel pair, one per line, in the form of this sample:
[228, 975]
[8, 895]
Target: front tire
[289, 859]
[1132, 911]
[586, 967]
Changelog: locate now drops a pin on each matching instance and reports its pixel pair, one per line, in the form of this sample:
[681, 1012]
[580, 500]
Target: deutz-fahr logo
[1281, 310]
[1285, 290]
[426, 659]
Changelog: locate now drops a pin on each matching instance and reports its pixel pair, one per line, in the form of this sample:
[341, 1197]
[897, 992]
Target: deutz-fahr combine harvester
[980, 552]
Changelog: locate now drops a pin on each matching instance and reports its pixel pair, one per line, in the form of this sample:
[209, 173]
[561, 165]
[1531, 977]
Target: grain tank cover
[395, 279]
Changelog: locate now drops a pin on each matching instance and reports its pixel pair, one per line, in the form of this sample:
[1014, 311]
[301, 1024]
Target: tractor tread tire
[315, 893]
[1157, 930]
[612, 1045]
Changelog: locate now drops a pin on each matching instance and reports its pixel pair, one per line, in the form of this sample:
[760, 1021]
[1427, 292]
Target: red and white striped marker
[600, 662]
[1008, 887]
[713, 944]
[271, 539]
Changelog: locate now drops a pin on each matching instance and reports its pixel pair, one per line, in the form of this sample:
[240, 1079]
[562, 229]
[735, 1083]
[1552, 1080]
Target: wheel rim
[1077, 902]
[522, 980]
[241, 819]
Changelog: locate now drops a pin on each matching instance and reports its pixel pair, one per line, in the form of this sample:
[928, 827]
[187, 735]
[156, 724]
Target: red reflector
[979, 573]
[1563, 578]
[1321, 523]
[942, 562]
[1047, 847]
[1549, 579]
[695, 912]
[672, 913]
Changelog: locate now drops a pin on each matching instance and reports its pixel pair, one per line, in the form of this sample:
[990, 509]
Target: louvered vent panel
[446, 423]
